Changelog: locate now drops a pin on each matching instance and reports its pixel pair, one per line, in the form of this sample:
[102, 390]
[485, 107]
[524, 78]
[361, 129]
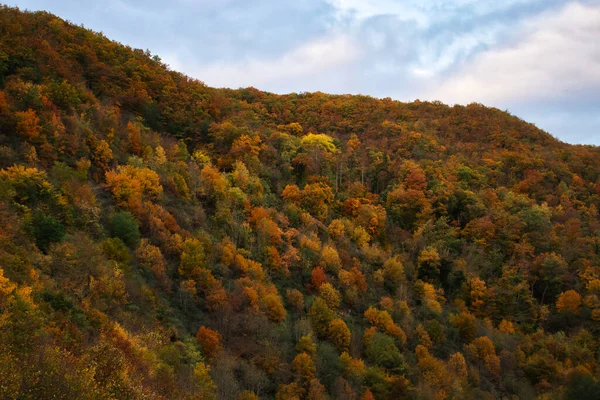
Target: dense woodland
[162, 239]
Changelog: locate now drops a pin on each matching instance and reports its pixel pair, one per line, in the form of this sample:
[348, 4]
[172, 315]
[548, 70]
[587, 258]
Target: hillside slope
[163, 239]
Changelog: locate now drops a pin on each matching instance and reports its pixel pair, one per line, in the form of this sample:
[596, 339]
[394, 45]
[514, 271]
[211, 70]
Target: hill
[164, 239]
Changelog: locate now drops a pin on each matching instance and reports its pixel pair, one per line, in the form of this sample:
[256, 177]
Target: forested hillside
[162, 239]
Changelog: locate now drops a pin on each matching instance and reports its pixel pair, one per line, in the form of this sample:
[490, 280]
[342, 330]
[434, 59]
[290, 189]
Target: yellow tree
[354, 368]
[274, 307]
[304, 368]
[434, 373]
[331, 295]
[205, 385]
[569, 301]
[102, 155]
[307, 345]
[477, 294]
[321, 147]
[483, 350]
[130, 185]
[339, 334]
[458, 365]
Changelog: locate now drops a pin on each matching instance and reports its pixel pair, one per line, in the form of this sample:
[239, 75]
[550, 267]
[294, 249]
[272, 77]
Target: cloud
[444, 51]
[427, 13]
[558, 55]
[364, 9]
[315, 57]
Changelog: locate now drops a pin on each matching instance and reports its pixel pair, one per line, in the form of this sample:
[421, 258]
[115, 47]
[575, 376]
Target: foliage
[124, 225]
[164, 239]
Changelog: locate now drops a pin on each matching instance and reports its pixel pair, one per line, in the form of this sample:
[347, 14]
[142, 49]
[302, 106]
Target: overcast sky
[538, 59]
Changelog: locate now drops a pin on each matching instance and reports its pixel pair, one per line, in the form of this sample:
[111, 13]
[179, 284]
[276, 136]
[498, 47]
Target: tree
[330, 294]
[6, 287]
[46, 230]
[193, 256]
[124, 226]
[383, 321]
[275, 310]
[205, 385]
[307, 345]
[296, 299]
[423, 336]
[466, 323]
[316, 391]
[372, 218]
[506, 327]
[102, 155]
[304, 368]
[581, 385]
[433, 372]
[318, 277]
[320, 146]
[247, 395]
[292, 391]
[247, 147]
[28, 124]
[477, 294]
[27, 186]
[292, 194]
[134, 138]
[394, 270]
[316, 198]
[131, 185]
[116, 250]
[483, 349]
[569, 301]
[337, 229]
[407, 206]
[382, 351]
[550, 270]
[339, 334]
[210, 341]
[458, 365]
[320, 316]
[151, 257]
[367, 395]
[353, 368]
[429, 262]
[331, 258]
[212, 182]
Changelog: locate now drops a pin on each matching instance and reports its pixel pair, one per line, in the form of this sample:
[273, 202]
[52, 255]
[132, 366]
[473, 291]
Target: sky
[537, 59]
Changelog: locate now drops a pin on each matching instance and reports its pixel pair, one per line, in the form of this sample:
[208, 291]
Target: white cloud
[474, 7]
[362, 9]
[425, 12]
[558, 53]
[439, 55]
[315, 57]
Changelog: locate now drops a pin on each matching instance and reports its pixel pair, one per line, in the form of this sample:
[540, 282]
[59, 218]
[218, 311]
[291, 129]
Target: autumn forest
[162, 239]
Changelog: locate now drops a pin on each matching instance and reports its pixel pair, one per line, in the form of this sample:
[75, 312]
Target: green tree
[46, 230]
[381, 350]
[124, 226]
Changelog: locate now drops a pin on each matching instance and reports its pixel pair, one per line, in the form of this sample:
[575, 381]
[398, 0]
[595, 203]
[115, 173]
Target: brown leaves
[28, 124]
[210, 341]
